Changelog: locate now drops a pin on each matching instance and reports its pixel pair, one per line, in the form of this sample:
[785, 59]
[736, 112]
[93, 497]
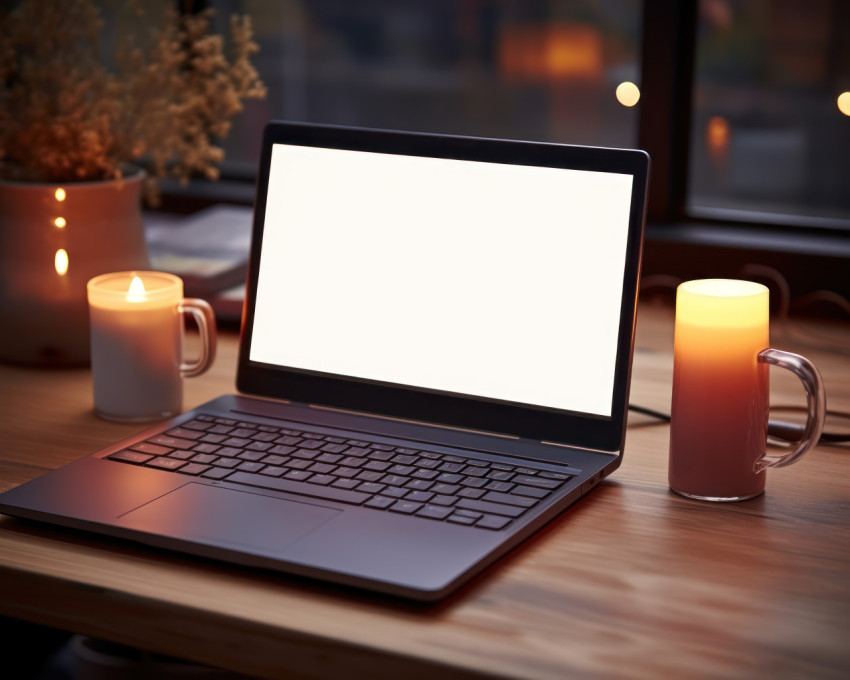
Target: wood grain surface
[631, 582]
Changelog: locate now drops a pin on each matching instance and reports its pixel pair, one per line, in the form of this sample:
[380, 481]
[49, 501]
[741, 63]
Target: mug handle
[815, 399]
[204, 317]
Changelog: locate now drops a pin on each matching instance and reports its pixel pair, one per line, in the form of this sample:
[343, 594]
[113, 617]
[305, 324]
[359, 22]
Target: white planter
[44, 314]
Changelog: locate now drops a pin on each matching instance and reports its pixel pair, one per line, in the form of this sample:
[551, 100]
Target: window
[545, 70]
[767, 134]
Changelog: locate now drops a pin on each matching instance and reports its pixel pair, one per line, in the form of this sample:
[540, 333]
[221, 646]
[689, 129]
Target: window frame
[811, 253]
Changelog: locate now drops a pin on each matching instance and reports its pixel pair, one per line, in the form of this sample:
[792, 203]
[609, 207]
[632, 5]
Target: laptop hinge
[424, 423]
[583, 448]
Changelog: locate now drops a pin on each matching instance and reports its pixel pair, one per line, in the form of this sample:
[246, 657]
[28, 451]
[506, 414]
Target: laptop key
[264, 436]
[420, 496]
[205, 458]
[274, 460]
[131, 457]
[395, 492]
[212, 438]
[274, 471]
[288, 485]
[193, 469]
[220, 429]
[405, 507]
[298, 475]
[248, 466]
[493, 522]
[183, 433]
[434, 512]
[259, 446]
[371, 487]
[530, 491]
[490, 508]
[519, 501]
[252, 455]
[182, 455]
[499, 486]
[460, 519]
[348, 483]
[227, 462]
[165, 463]
[471, 493]
[331, 447]
[449, 478]
[370, 476]
[443, 500]
[172, 442]
[153, 449]
[554, 475]
[380, 502]
[537, 481]
[197, 424]
[215, 473]
[395, 480]
[204, 448]
[323, 480]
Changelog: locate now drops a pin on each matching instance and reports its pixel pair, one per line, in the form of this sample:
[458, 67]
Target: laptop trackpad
[228, 518]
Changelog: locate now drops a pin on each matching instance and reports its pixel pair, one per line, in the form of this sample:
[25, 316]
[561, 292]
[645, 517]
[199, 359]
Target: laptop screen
[462, 277]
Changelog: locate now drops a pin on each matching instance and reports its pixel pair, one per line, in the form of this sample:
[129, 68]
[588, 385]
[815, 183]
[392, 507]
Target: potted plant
[80, 143]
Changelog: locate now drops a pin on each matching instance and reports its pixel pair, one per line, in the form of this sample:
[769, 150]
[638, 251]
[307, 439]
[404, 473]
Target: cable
[777, 429]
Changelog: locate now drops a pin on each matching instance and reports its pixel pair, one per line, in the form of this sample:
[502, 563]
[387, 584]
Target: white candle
[136, 343]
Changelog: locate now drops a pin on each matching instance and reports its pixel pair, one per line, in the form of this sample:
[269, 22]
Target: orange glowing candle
[720, 389]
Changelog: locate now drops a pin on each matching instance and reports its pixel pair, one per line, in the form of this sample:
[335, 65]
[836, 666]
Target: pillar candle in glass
[719, 414]
[137, 344]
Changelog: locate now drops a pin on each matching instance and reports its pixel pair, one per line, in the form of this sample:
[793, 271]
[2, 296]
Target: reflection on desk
[633, 581]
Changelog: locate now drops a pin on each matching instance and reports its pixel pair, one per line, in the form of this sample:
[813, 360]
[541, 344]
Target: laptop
[434, 363]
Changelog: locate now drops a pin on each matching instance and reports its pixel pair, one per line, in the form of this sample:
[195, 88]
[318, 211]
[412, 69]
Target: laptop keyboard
[436, 486]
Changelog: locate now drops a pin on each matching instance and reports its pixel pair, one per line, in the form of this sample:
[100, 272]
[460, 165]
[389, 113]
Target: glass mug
[721, 389]
[137, 344]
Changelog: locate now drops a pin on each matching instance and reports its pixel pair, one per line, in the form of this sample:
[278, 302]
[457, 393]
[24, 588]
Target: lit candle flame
[60, 222]
[136, 292]
[60, 194]
[60, 261]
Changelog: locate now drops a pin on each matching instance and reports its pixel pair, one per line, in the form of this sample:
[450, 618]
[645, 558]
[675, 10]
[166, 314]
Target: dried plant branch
[65, 117]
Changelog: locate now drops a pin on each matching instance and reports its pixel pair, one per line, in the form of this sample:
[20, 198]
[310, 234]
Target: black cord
[789, 432]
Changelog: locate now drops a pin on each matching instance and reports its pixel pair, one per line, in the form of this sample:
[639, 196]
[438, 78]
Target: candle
[136, 340]
[720, 389]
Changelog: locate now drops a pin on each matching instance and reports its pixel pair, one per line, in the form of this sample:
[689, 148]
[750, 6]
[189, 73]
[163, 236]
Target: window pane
[767, 133]
[529, 69]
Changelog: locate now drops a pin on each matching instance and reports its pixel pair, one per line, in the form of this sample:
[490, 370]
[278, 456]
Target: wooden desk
[633, 581]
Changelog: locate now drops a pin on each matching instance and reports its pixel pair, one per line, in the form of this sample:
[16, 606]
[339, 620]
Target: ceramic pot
[43, 310]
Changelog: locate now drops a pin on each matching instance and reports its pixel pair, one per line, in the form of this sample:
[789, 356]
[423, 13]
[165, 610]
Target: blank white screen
[484, 279]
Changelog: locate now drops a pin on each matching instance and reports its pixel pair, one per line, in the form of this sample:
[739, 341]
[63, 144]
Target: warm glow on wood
[60, 261]
[136, 292]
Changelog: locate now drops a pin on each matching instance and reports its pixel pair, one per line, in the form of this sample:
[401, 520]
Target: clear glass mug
[721, 391]
[137, 344]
